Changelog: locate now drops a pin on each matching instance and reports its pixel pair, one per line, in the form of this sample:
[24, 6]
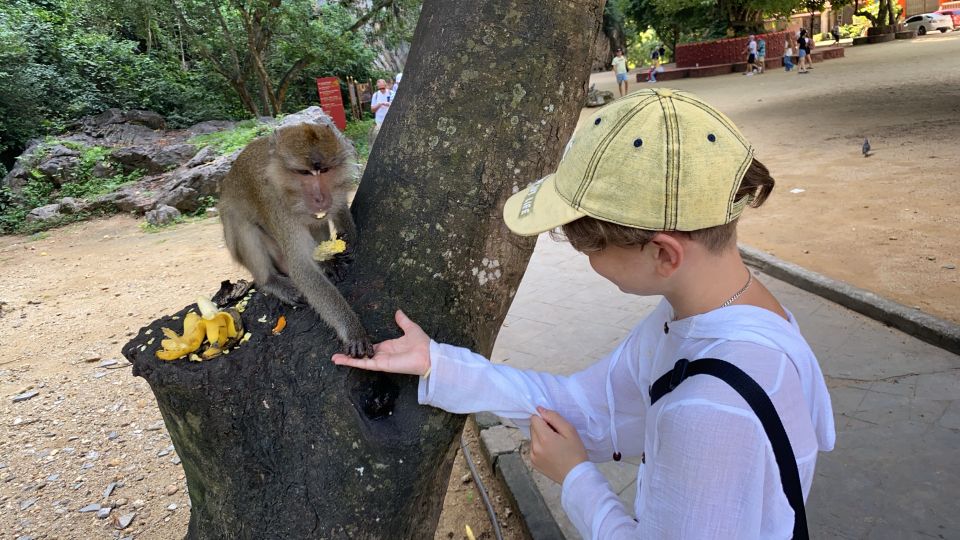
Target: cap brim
[545, 210]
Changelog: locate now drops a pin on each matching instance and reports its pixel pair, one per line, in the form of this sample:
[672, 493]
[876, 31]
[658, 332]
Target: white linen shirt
[709, 470]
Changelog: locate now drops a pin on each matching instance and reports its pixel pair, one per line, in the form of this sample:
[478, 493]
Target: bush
[358, 132]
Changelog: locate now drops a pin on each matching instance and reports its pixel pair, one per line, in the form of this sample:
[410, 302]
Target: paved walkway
[895, 472]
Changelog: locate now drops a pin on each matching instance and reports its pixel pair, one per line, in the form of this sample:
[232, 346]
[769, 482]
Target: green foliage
[358, 131]
[231, 140]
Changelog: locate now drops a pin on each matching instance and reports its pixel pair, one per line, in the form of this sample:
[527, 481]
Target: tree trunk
[276, 441]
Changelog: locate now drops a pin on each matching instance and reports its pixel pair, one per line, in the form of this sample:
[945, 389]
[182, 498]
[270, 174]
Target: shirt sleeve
[461, 381]
[706, 481]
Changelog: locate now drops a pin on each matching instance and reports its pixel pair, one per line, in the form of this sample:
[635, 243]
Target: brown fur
[268, 206]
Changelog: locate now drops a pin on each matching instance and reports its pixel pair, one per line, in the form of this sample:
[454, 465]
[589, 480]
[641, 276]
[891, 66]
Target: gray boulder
[59, 170]
[210, 126]
[310, 114]
[598, 98]
[205, 155]
[148, 119]
[162, 215]
[44, 213]
[20, 173]
[153, 159]
[182, 198]
[104, 169]
[69, 205]
[126, 199]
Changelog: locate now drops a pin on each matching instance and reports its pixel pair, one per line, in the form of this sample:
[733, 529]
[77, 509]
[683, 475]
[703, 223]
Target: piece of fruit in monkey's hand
[327, 250]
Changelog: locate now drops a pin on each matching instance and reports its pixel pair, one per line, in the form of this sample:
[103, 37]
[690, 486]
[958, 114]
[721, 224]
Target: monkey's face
[311, 158]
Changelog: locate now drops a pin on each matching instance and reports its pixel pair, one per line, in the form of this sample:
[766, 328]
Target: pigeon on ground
[866, 147]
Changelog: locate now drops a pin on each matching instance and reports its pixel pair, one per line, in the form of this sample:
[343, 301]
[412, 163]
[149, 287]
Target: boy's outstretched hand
[408, 354]
[555, 445]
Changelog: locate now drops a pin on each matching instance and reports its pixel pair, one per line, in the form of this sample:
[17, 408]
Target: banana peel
[219, 329]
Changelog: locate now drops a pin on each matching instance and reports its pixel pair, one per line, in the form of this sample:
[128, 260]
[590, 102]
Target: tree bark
[276, 441]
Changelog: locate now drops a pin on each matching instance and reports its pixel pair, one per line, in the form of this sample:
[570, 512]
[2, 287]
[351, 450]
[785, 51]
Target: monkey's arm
[343, 221]
[320, 293]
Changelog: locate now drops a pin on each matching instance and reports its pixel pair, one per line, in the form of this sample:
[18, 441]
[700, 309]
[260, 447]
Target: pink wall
[725, 51]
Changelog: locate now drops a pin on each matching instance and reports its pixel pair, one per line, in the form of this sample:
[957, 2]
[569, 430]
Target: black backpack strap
[758, 400]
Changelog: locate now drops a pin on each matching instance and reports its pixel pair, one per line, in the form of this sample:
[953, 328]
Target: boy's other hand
[555, 445]
[408, 354]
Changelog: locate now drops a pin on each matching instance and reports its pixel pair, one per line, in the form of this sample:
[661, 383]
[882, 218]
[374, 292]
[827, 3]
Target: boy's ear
[669, 253]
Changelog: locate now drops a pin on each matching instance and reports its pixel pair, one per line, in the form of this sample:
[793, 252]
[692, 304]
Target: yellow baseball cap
[656, 159]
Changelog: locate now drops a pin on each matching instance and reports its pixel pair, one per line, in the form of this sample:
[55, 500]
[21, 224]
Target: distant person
[803, 52]
[655, 57]
[380, 103]
[620, 71]
[396, 82]
[751, 56]
[787, 53]
[836, 34]
[762, 54]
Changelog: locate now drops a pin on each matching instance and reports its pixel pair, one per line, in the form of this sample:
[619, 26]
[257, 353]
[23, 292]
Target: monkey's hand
[336, 267]
[359, 347]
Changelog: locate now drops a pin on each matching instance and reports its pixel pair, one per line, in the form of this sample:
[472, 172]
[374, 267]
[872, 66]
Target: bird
[866, 147]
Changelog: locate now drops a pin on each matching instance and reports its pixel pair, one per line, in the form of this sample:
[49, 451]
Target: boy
[751, 56]
[619, 64]
[650, 189]
[762, 54]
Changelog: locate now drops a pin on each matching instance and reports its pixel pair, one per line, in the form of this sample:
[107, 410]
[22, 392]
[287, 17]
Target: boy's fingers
[369, 364]
[556, 422]
[538, 428]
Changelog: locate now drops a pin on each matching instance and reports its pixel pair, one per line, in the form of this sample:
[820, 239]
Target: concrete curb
[933, 330]
[501, 448]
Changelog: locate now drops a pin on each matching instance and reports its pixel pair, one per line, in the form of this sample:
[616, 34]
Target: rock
[109, 490]
[174, 155]
[598, 98]
[103, 513]
[93, 455]
[86, 466]
[110, 116]
[112, 435]
[210, 126]
[172, 489]
[183, 199]
[27, 504]
[90, 357]
[108, 363]
[162, 215]
[94, 507]
[175, 460]
[172, 507]
[125, 520]
[204, 156]
[213, 211]
[119, 502]
[25, 396]
[165, 451]
[44, 213]
[19, 175]
[59, 170]
[53, 478]
[310, 114]
[158, 425]
[139, 503]
[465, 479]
[69, 205]
[949, 267]
[104, 169]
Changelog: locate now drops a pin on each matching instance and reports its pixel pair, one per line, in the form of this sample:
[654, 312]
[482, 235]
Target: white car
[927, 22]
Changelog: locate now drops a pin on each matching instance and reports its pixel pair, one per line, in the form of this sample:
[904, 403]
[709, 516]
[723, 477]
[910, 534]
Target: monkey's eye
[304, 172]
[323, 170]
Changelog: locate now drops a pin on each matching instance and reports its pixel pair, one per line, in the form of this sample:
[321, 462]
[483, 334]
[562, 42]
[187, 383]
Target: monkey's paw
[336, 268]
[359, 348]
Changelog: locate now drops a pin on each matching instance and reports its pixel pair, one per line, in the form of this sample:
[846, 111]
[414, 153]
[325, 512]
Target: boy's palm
[408, 354]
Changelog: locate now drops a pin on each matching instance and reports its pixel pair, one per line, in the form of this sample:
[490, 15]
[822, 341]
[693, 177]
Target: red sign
[331, 101]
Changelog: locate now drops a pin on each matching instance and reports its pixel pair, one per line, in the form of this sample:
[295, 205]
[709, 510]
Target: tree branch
[380, 4]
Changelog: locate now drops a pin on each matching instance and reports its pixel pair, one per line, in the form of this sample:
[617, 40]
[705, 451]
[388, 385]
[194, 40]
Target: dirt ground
[71, 297]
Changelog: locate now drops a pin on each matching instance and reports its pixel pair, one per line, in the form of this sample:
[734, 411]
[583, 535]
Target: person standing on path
[762, 54]
[620, 71]
[711, 468]
[751, 56]
[380, 102]
[787, 53]
[803, 52]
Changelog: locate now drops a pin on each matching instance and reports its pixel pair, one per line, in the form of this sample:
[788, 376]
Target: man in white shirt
[709, 468]
[380, 102]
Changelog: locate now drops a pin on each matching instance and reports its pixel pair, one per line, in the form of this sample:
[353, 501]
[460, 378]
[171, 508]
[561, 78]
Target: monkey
[275, 204]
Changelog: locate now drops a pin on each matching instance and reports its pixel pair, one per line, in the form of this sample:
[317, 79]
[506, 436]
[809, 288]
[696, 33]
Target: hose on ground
[481, 488]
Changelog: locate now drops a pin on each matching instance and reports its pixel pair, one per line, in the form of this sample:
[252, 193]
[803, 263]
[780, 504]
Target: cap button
[665, 92]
